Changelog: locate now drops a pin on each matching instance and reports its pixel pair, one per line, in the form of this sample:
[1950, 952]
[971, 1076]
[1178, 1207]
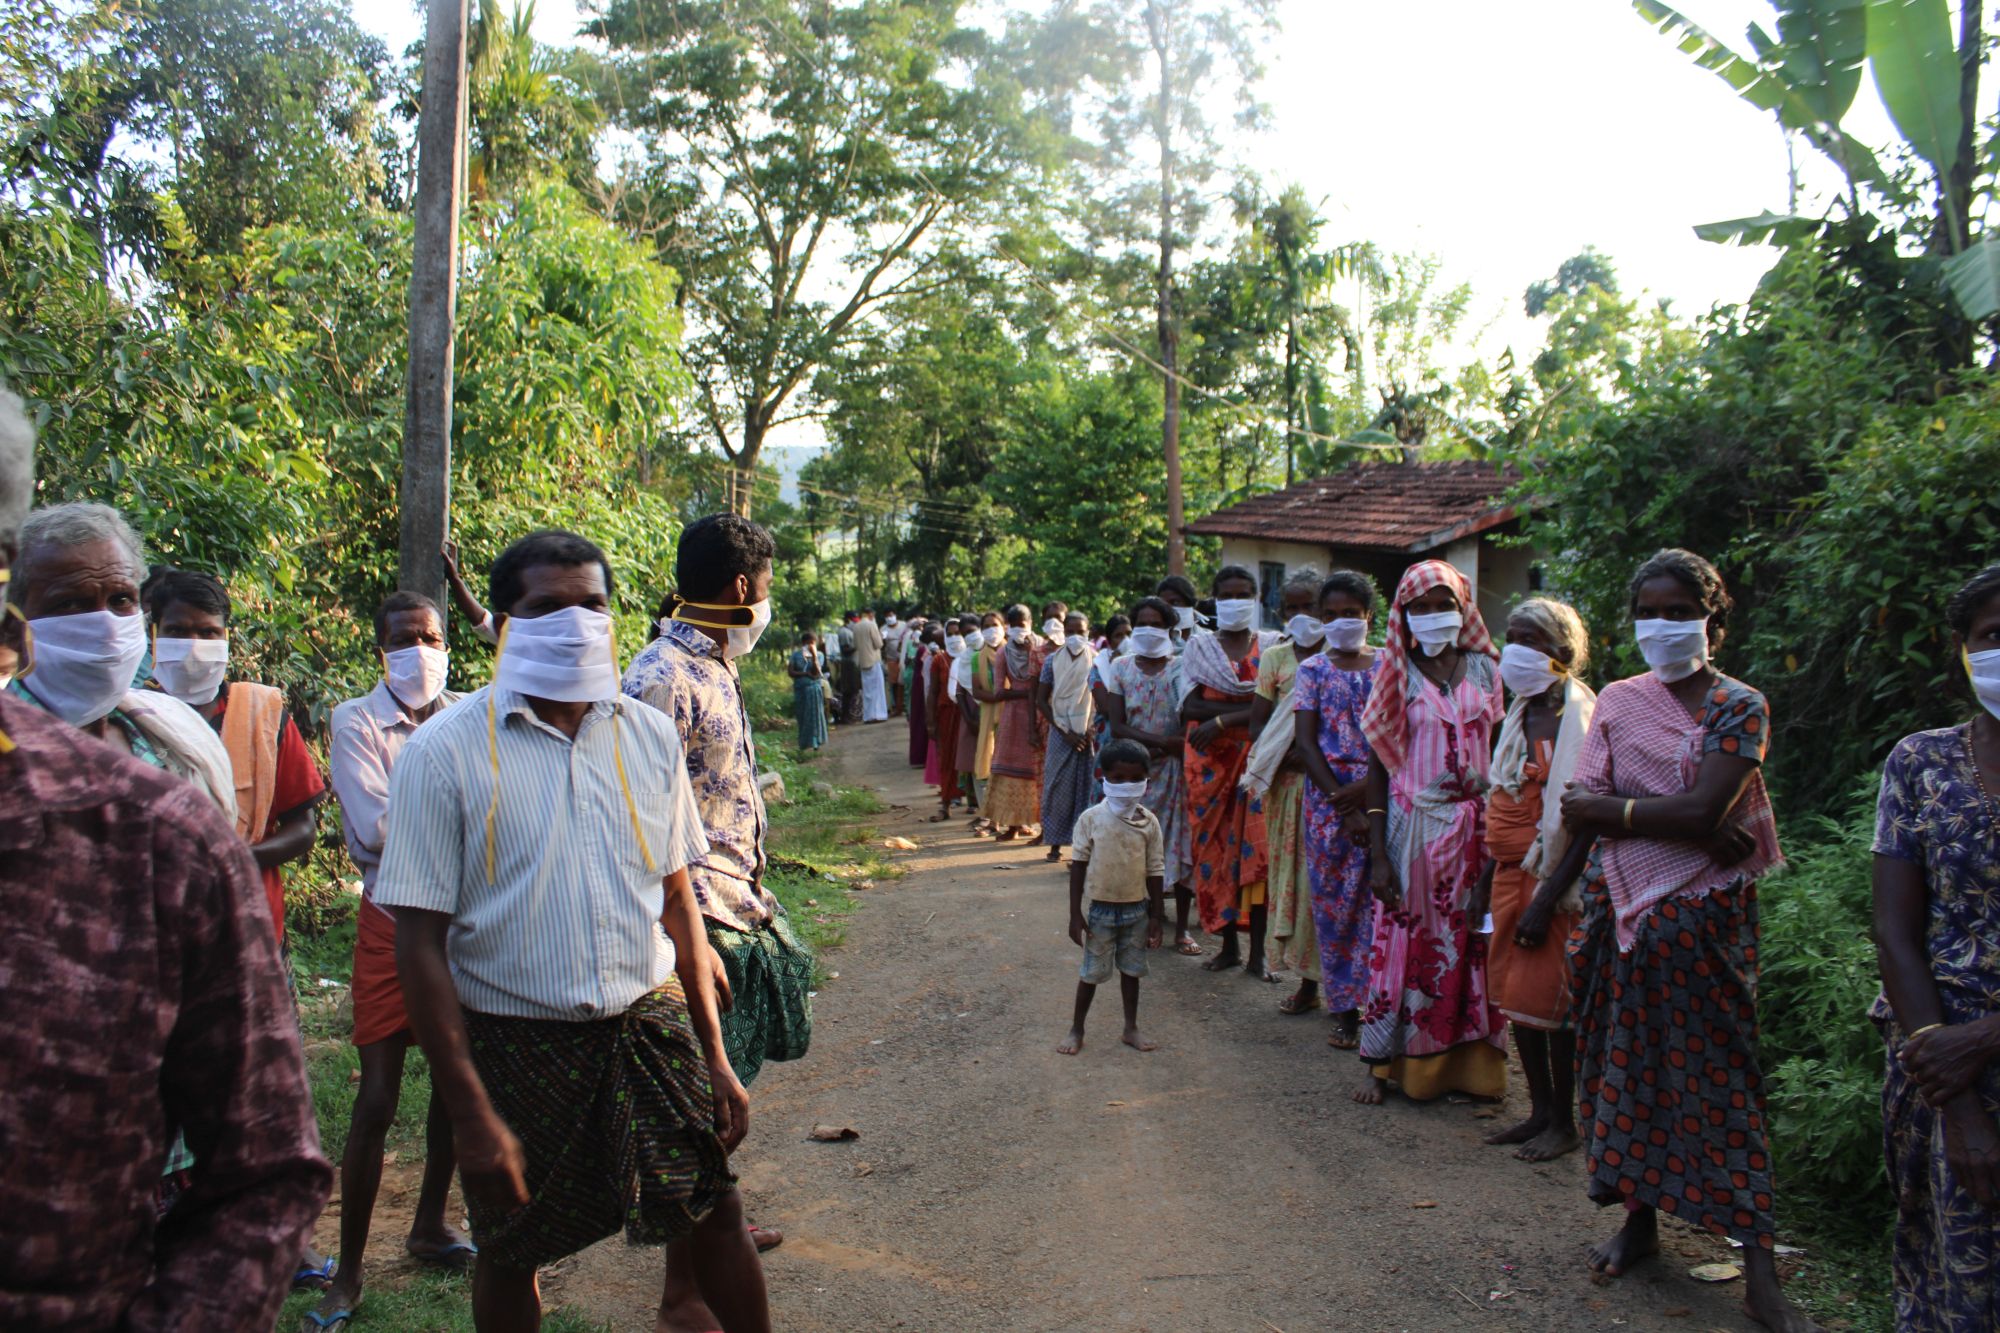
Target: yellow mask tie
[493, 756]
[740, 619]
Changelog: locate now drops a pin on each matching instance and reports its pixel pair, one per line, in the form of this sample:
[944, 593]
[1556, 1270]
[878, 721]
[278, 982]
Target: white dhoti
[874, 697]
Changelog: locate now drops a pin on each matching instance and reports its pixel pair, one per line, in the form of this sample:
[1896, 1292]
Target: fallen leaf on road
[863, 1169]
[834, 1133]
[862, 884]
[1114, 1103]
[899, 844]
[1715, 1272]
[812, 902]
[1677, 1312]
[1425, 1203]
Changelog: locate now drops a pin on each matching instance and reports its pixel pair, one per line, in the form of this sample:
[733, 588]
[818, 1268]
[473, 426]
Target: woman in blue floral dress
[1327, 702]
[1937, 931]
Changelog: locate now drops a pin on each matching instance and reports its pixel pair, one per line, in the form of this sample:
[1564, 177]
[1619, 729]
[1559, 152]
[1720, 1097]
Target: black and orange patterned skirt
[616, 1120]
[1671, 1094]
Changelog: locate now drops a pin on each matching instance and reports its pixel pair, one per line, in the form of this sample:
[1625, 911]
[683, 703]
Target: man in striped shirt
[544, 827]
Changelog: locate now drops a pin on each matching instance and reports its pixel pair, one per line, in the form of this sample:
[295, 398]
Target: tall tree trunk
[1169, 327]
[1954, 222]
[756, 422]
[1291, 389]
[424, 496]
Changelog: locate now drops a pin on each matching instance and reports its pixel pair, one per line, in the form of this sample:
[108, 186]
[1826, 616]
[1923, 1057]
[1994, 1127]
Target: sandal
[1292, 1005]
[1187, 947]
[765, 1238]
[454, 1258]
[308, 1278]
[1344, 1038]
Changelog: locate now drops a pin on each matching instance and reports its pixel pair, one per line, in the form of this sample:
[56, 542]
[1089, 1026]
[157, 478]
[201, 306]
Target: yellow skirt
[1475, 1068]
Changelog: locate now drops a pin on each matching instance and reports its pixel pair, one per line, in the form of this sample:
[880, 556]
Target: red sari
[1225, 823]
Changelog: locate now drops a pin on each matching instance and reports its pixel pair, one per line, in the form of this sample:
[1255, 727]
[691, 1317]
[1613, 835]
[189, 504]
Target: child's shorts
[1115, 932]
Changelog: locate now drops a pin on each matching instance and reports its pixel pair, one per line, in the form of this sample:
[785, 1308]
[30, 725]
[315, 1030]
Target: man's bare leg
[505, 1300]
[728, 1270]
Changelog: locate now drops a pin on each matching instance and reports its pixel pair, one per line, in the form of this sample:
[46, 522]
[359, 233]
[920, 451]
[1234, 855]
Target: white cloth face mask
[742, 638]
[1528, 670]
[564, 656]
[1984, 671]
[191, 670]
[1184, 618]
[1675, 649]
[1122, 796]
[1052, 628]
[954, 644]
[1437, 631]
[1346, 634]
[992, 634]
[84, 663]
[1235, 612]
[416, 675]
[1017, 634]
[1148, 641]
[1076, 643]
[1306, 631]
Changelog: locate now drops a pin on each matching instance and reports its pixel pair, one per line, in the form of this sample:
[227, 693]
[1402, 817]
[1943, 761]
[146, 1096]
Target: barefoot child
[1118, 863]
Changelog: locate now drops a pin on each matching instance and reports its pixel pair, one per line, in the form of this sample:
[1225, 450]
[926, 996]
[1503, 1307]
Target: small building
[1381, 518]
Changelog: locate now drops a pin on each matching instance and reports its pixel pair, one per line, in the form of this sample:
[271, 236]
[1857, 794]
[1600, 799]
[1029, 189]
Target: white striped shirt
[570, 927]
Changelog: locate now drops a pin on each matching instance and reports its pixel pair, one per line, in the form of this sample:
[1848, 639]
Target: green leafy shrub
[1822, 1058]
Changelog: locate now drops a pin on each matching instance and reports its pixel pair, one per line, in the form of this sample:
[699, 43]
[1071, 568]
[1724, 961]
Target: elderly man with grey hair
[76, 581]
[139, 976]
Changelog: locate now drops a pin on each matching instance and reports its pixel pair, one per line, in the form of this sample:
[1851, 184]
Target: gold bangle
[1928, 1027]
[1630, 801]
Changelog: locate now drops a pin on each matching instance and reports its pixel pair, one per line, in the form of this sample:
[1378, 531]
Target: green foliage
[1097, 539]
[1824, 1061]
[1802, 431]
[248, 417]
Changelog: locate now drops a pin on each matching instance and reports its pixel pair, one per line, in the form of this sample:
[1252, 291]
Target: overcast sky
[1502, 138]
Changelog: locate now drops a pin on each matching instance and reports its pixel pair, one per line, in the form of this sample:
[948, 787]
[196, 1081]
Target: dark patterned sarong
[770, 975]
[1671, 1094]
[617, 1121]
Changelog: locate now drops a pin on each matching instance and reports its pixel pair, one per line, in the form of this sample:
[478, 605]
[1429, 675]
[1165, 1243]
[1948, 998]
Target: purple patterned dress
[1932, 814]
[1343, 912]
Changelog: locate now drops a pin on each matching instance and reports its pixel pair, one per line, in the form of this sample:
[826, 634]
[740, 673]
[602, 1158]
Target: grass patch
[427, 1302]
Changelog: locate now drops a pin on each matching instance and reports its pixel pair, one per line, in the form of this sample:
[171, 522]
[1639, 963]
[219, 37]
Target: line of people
[1446, 837]
[562, 906]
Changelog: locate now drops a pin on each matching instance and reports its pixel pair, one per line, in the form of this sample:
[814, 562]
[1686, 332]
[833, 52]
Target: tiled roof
[1405, 507]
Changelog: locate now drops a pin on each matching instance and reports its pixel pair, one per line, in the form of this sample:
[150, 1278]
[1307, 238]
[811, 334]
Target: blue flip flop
[334, 1320]
[313, 1279]
[456, 1257]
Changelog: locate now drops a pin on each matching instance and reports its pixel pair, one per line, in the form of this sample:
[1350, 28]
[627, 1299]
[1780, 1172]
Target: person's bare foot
[1520, 1133]
[1261, 970]
[1550, 1144]
[1369, 1091]
[1637, 1240]
[1139, 1043]
[1071, 1044]
[1223, 961]
[1764, 1300]
[1055, 854]
[1005, 835]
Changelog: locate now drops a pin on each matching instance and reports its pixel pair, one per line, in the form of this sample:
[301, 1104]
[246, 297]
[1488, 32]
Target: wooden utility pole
[425, 496]
[1158, 21]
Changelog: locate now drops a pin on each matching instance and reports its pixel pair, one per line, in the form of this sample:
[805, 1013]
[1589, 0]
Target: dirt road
[1224, 1181]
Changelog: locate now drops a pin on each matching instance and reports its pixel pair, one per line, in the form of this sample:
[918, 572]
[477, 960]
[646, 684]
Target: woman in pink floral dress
[1426, 1022]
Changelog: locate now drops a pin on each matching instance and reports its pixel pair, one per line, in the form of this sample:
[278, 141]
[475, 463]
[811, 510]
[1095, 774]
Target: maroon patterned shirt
[141, 992]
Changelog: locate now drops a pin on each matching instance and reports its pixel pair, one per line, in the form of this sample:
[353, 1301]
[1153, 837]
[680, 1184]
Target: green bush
[1822, 1058]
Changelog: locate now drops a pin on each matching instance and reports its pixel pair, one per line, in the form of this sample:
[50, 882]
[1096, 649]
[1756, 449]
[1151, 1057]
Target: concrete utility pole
[425, 495]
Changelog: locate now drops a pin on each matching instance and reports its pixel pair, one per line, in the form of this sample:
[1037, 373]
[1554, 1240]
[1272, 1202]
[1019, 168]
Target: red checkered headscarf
[1386, 720]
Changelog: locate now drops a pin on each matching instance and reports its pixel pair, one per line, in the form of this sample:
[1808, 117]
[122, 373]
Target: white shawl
[1268, 751]
[1069, 698]
[1203, 662]
[1510, 758]
[960, 676]
[186, 741]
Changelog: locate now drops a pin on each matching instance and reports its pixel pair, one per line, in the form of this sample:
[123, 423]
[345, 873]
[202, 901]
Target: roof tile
[1405, 507]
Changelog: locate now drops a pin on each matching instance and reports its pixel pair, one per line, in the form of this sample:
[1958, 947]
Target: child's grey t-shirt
[1118, 854]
